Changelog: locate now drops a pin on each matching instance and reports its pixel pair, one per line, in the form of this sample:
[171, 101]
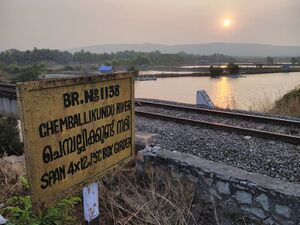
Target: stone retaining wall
[263, 198]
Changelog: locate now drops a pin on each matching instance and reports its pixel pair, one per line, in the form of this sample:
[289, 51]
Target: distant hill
[231, 49]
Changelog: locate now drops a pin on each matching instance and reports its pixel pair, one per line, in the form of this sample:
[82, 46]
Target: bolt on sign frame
[74, 130]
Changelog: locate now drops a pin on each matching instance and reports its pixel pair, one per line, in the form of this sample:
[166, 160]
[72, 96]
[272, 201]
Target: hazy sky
[75, 23]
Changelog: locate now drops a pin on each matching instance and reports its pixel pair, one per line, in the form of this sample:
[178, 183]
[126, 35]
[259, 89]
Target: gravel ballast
[272, 158]
[269, 127]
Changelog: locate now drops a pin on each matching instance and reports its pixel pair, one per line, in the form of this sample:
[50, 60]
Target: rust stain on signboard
[74, 130]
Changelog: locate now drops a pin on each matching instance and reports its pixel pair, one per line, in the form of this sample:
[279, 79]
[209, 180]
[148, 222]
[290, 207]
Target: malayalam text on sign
[74, 130]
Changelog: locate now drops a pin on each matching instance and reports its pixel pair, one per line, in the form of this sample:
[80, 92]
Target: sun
[227, 23]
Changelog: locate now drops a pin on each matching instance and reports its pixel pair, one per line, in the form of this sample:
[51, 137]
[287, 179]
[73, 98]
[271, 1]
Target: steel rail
[228, 128]
[237, 115]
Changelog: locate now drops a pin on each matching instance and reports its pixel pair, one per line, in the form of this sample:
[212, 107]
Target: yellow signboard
[74, 130]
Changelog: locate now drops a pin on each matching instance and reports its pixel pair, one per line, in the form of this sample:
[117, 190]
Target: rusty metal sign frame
[40, 203]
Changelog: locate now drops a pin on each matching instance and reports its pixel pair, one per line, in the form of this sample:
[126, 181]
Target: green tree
[270, 60]
[123, 59]
[30, 73]
[108, 63]
[9, 137]
[141, 60]
[134, 70]
[12, 68]
[68, 68]
[294, 60]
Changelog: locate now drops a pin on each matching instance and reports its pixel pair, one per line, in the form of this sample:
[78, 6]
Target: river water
[249, 92]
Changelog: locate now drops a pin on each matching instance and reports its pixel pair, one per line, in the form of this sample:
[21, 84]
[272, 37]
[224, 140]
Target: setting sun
[227, 22]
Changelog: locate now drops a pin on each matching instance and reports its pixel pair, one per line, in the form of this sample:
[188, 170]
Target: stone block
[270, 221]
[243, 197]
[257, 212]
[223, 188]
[263, 198]
[241, 187]
[208, 181]
[283, 210]
[142, 140]
[200, 172]
[263, 201]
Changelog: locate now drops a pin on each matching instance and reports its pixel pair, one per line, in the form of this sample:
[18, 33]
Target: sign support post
[90, 197]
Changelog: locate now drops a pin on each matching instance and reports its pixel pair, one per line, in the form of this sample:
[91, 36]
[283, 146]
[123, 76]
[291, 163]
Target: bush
[68, 68]
[30, 73]
[18, 210]
[9, 137]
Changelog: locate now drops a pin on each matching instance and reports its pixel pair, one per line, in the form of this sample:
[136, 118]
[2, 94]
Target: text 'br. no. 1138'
[74, 130]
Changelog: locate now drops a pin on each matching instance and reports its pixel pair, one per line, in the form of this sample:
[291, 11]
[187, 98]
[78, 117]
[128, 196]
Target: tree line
[119, 59]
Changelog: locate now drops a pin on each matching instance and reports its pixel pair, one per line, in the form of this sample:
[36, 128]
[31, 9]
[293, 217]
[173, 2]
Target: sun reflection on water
[223, 93]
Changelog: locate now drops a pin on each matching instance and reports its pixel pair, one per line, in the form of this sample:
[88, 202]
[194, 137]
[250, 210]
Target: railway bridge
[8, 100]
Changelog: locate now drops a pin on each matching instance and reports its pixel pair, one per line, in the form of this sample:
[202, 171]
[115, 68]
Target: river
[249, 92]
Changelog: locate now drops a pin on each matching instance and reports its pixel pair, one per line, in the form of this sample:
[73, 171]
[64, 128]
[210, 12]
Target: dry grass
[157, 200]
[127, 199]
[263, 105]
[10, 182]
[286, 105]
[124, 197]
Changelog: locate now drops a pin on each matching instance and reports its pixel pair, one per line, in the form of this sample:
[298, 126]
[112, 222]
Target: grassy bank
[286, 105]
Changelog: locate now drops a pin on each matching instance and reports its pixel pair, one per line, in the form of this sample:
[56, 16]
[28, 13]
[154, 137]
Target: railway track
[280, 129]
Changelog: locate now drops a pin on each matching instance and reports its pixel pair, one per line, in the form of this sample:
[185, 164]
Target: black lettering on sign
[107, 152]
[123, 106]
[50, 178]
[95, 94]
[74, 167]
[79, 142]
[123, 125]
[76, 120]
[47, 154]
[71, 99]
[91, 95]
[122, 145]
[96, 156]
[52, 127]
[99, 155]
[84, 162]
